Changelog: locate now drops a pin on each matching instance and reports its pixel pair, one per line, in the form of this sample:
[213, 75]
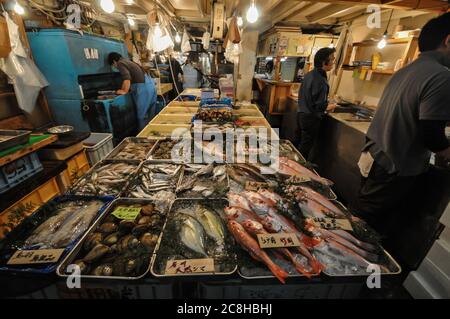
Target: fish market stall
[226, 230]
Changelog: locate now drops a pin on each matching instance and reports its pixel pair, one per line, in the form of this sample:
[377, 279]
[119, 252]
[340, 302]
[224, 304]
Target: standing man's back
[408, 126]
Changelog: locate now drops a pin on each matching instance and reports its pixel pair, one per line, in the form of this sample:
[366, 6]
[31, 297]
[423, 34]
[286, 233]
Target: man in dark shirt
[408, 126]
[313, 99]
[142, 87]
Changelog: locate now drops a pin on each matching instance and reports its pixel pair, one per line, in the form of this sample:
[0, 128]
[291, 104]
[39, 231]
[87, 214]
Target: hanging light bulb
[157, 31]
[252, 13]
[177, 38]
[19, 9]
[131, 22]
[107, 6]
[130, 1]
[240, 21]
[382, 42]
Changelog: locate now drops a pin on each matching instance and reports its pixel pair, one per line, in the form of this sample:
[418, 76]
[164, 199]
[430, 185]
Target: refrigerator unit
[77, 69]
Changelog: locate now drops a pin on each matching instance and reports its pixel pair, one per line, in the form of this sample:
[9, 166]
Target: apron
[144, 96]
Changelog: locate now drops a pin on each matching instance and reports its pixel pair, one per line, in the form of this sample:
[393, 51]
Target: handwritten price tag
[333, 223]
[189, 266]
[43, 256]
[127, 213]
[278, 240]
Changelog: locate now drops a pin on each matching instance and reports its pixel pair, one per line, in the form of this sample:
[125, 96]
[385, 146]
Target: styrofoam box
[435, 278]
[418, 287]
[445, 219]
[439, 255]
[445, 236]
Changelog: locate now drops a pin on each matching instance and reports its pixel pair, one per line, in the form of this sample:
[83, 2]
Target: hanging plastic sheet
[158, 43]
[206, 40]
[185, 44]
[21, 71]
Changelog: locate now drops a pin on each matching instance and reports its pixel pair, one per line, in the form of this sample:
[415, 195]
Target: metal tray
[129, 140]
[134, 181]
[228, 239]
[17, 137]
[23, 231]
[264, 272]
[89, 173]
[72, 256]
[184, 173]
[392, 262]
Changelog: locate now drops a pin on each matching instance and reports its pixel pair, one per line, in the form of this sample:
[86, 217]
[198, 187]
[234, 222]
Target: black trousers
[309, 126]
[381, 198]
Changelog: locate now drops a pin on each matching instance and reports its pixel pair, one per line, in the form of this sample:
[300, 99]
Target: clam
[108, 228]
[125, 226]
[130, 266]
[84, 268]
[92, 240]
[128, 242]
[96, 253]
[148, 210]
[103, 270]
[111, 239]
[149, 240]
[145, 220]
[139, 230]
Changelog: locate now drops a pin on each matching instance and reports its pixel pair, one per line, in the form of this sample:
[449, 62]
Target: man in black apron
[408, 126]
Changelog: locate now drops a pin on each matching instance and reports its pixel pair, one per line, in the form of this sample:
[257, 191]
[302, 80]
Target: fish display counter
[221, 228]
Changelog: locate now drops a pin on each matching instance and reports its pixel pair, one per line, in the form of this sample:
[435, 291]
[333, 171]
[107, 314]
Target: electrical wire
[159, 72]
[173, 77]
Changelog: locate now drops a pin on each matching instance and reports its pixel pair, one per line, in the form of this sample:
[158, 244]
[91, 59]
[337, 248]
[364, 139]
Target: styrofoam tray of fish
[132, 148]
[119, 246]
[203, 180]
[196, 230]
[240, 174]
[155, 180]
[59, 224]
[108, 177]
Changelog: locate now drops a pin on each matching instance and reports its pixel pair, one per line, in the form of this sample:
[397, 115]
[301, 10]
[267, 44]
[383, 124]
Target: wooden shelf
[389, 41]
[386, 72]
[7, 94]
[27, 150]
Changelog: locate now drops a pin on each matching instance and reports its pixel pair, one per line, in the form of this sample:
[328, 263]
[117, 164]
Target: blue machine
[77, 69]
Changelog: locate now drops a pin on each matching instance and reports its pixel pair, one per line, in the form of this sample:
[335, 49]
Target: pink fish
[275, 223]
[292, 168]
[274, 198]
[236, 200]
[252, 246]
[240, 215]
[326, 234]
[254, 228]
[304, 191]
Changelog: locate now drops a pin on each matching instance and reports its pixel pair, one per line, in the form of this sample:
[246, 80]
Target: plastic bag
[21, 71]
[185, 44]
[206, 40]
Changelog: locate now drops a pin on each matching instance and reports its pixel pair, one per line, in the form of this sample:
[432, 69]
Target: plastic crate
[97, 146]
[12, 216]
[19, 170]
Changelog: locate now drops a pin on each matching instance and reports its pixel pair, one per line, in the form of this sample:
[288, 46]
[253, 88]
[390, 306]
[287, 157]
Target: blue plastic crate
[19, 170]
